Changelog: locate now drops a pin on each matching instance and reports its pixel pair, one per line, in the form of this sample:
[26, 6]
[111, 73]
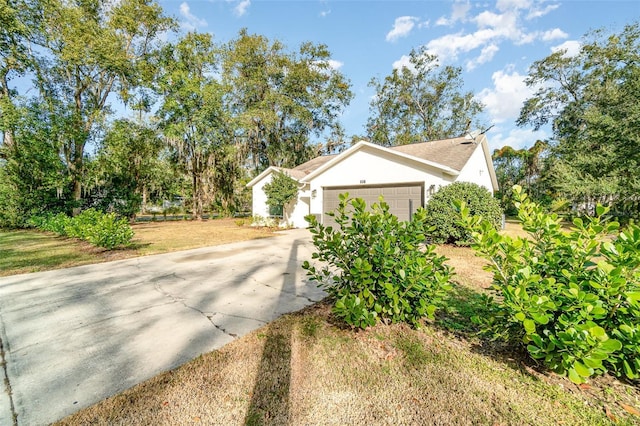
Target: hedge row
[100, 229]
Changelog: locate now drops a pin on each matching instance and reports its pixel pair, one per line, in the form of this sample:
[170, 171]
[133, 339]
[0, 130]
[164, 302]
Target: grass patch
[285, 374]
[23, 251]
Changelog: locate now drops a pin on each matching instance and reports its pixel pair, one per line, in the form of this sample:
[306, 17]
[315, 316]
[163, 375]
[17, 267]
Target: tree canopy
[421, 102]
[591, 101]
[210, 114]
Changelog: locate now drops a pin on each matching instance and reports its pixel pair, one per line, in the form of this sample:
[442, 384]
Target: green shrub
[110, 232]
[443, 217]
[572, 298]
[377, 267]
[57, 223]
[100, 229]
[81, 226]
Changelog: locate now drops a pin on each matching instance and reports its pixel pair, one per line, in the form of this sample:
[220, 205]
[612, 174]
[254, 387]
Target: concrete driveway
[75, 336]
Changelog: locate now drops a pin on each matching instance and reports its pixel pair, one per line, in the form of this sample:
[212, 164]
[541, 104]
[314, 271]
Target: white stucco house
[405, 175]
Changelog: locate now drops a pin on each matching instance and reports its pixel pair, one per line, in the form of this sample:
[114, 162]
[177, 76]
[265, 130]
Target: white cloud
[328, 65]
[494, 26]
[404, 61]
[191, 21]
[449, 46]
[515, 137]
[572, 48]
[325, 13]
[504, 5]
[459, 12]
[442, 21]
[333, 64]
[537, 13]
[554, 34]
[486, 55]
[505, 99]
[241, 7]
[401, 27]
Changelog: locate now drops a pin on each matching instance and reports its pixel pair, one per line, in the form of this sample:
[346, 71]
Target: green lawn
[23, 251]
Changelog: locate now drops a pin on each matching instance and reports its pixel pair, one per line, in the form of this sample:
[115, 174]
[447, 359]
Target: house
[406, 176]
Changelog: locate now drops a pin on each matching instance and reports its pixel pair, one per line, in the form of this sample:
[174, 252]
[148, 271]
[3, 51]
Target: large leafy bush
[572, 297]
[377, 267]
[443, 217]
[100, 229]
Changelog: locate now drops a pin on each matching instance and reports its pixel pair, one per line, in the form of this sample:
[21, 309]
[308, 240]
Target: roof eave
[358, 146]
[265, 173]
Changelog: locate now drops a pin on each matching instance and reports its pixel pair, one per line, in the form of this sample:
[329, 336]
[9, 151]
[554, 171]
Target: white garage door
[403, 199]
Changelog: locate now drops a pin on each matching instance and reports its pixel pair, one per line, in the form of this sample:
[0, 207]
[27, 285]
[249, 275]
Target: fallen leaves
[609, 414]
[630, 409]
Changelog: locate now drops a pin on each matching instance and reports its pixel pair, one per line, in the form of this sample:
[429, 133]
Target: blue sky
[493, 41]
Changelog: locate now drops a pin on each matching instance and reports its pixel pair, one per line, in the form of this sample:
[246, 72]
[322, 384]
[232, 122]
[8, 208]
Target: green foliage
[110, 232]
[198, 126]
[591, 101]
[100, 229]
[525, 167]
[421, 102]
[281, 190]
[442, 216]
[571, 297]
[128, 162]
[376, 266]
[277, 111]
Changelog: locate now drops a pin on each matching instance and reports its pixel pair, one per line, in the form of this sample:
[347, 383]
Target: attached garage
[403, 198]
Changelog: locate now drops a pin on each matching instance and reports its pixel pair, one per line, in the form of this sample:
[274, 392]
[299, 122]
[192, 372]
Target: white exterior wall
[374, 167]
[295, 211]
[476, 170]
[259, 202]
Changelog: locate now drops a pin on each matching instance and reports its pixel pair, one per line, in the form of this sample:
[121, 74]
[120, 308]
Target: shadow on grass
[270, 397]
[463, 304]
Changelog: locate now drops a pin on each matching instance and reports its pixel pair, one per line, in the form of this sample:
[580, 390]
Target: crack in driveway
[282, 290]
[209, 317]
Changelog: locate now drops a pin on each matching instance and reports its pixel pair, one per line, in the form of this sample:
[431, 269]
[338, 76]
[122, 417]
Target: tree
[91, 50]
[591, 101]
[420, 102]
[281, 99]
[194, 120]
[18, 23]
[281, 191]
[524, 167]
[128, 159]
[32, 178]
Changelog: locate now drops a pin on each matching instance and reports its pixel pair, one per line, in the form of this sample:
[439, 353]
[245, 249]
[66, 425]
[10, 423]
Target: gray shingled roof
[314, 163]
[453, 153]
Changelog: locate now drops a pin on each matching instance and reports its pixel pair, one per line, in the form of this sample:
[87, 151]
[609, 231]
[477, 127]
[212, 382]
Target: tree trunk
[143, 207]
[77, 194]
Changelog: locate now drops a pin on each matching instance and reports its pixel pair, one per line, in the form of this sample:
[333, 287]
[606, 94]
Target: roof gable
[362, 145]
[296, 174]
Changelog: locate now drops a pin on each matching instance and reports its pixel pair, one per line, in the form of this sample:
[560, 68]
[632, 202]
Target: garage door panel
[403, 199]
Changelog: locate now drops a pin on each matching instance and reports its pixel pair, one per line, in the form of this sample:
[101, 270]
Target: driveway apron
[73, 337]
